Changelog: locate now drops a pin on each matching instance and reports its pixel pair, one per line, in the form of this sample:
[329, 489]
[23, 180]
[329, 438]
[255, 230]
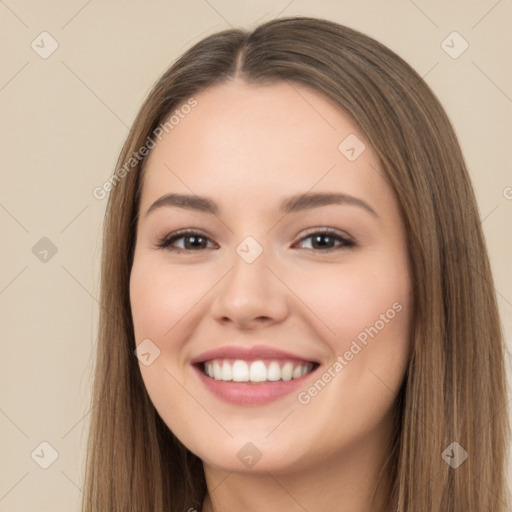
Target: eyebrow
[291, 204]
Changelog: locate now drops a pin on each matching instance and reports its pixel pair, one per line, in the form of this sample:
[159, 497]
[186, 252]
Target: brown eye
[192, 241]
[327, 240]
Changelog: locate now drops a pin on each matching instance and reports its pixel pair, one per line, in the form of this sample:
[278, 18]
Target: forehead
[257, 142]
[279, 116]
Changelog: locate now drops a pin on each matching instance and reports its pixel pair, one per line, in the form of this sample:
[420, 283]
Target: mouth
[252, 376]
[262, 370]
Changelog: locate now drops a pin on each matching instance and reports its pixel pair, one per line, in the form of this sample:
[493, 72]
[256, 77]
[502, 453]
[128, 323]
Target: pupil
[195, 238]
[319, 237]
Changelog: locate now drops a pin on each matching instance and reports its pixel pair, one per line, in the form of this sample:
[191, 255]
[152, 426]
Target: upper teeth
[255, 371]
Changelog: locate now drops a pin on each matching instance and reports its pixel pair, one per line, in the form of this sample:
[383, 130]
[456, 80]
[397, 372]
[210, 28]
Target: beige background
[64, 120]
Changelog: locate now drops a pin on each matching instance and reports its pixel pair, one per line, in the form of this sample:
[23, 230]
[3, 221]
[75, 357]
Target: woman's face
[268, 343]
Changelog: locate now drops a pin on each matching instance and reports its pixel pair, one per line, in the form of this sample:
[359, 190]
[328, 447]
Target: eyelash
[167, 241]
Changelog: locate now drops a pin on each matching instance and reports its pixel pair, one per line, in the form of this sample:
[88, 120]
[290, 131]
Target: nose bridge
[249, 278]
[250, 291]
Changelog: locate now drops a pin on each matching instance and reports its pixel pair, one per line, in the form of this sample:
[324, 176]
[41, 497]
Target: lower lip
[248, 393]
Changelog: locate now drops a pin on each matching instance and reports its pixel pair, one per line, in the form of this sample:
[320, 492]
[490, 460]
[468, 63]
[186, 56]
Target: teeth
[287, 371]
[240, 371]
[297, 372]
[227, 374]
[217, 371]
[258, 372]
[255, 371]
[273, 371]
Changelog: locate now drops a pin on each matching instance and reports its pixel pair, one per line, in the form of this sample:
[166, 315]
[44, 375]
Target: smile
[240, 370]
[253, 375]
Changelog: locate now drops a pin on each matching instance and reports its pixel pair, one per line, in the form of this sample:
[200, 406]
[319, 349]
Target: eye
[322, 240]
[327, 240]
[193, 241]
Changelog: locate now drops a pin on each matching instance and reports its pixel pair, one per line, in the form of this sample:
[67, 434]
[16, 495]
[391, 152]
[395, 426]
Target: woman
[297, 305]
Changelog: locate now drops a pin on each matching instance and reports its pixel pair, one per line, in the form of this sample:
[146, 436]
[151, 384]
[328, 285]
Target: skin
[247, 147]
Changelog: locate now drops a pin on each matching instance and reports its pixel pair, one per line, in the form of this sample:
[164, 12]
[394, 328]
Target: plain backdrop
[64, 118]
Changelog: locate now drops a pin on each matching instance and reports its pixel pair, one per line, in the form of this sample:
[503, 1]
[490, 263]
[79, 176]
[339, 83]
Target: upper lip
[251, 353]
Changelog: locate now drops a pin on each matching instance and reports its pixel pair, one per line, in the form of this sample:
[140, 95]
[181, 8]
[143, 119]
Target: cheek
[356, 299]
[160, 297]
[368, 308]
[373, 333]
[162, 306]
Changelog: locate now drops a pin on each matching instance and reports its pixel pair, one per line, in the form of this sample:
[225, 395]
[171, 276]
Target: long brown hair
[455, 385]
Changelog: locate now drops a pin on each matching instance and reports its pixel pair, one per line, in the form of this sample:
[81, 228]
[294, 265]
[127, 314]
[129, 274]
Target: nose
[251, 295]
